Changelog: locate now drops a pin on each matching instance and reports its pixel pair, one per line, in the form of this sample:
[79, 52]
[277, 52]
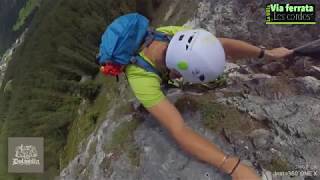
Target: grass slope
[25, 12]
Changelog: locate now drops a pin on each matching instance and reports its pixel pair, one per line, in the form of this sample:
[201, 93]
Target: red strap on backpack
[111, 69]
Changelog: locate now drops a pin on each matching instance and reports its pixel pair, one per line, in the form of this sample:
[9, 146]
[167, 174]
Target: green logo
[182, 65]
[291, 14]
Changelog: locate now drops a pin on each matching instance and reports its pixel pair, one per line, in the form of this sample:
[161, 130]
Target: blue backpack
[122, 40]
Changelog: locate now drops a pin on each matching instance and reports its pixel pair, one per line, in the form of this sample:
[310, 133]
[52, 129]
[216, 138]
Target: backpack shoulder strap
[160, 36]
[155, 35]
[139, 61]
[150, 36]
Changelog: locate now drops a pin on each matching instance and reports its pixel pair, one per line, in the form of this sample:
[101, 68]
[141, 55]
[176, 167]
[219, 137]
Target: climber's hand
[278, 53]
[244, 172]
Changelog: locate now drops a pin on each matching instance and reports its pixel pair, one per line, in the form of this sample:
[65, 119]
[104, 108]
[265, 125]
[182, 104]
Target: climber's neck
[156, 52]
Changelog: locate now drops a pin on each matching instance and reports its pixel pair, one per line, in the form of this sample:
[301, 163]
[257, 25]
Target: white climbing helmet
[197, 55]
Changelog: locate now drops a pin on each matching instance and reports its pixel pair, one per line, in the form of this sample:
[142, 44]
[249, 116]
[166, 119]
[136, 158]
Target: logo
[25, 155]
[183, 65]
[291, 14]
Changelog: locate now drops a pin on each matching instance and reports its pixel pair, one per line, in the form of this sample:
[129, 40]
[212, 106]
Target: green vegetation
[220, 82]
[124, 109]
[134, 154]
[277, 164]
[48, 88]
[187, 104]
[122, 135]
[92, 114]
[25, 12]
[8, 87]
[217, 116]
[122, 141]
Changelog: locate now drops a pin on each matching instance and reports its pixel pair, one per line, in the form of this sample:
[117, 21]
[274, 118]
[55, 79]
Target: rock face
[268, 117]
[292, 116]
[245, 20]
[8, 55]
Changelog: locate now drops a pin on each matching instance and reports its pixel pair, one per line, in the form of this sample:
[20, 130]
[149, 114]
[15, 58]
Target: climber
[197, 56]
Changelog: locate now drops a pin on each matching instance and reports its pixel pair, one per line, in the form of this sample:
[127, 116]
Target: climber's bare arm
[193, 143]
[236, 49]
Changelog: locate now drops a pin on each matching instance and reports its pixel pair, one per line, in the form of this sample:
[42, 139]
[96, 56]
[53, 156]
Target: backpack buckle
[133, 60]
[149, 38]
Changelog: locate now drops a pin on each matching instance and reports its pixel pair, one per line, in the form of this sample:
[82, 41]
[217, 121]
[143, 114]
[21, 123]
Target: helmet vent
[202, 77]
[190, 39]
[181, 37]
